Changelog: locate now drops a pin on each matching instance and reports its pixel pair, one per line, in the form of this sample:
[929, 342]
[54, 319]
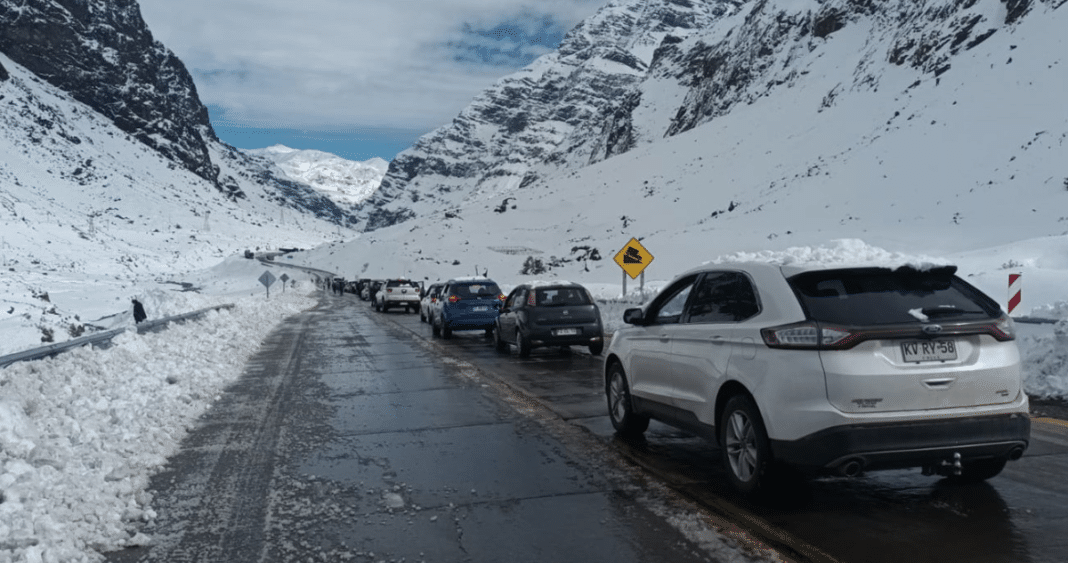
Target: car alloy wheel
[620, 410]
[744, 442]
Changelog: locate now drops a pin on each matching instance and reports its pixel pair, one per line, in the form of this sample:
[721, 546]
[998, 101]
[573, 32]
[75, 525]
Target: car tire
[522, 344]
[422, 316]
[499, 342]
[446, 331]
[620, 409]
[435, 329]
[744, 445]
[596, 349]
[979, 470]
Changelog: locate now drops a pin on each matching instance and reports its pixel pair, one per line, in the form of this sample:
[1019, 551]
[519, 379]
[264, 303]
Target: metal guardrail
[101, 337]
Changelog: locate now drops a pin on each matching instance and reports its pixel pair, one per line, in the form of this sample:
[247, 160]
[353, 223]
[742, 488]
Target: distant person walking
[139, 311]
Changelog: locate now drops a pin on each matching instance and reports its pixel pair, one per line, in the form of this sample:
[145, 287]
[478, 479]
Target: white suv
[398, 293]
[825, 369]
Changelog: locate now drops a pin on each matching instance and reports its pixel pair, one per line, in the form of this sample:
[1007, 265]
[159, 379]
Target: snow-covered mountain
[931, 126]
[101, 54]
[346, 182]
[543, 119]
[91, 216]
[865, 74]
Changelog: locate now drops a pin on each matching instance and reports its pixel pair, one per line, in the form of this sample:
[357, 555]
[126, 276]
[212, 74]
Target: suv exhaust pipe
[851, 468]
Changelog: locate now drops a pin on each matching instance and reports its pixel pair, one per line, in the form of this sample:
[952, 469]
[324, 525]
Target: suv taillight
[1003, 329]
[502, 297]
[453, 299]
[808, 335]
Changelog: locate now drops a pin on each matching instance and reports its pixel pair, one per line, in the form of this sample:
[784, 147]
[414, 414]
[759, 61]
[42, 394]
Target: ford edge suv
[825, 369]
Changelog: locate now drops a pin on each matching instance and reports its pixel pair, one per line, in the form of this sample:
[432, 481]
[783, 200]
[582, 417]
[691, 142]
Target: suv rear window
[877, 296]
[401, 283]
[475, 290]
[560, 296]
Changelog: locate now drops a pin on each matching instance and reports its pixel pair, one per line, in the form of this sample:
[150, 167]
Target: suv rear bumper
[908, 444]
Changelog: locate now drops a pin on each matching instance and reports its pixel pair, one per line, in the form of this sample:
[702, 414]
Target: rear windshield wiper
[946, 310]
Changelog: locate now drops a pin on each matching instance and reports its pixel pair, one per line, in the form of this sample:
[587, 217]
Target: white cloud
[322, 63]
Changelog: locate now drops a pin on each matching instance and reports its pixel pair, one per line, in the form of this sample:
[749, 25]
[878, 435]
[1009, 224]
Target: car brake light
[389, 291]
[453, 299]
[806, 336]
[1003, 329]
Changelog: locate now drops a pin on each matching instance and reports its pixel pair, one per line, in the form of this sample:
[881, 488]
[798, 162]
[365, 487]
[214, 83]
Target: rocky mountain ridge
[346, 182]
[638, 72]
[542, 119]
[102, 53]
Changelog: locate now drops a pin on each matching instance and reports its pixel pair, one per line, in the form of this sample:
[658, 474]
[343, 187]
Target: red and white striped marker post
[1015, 284]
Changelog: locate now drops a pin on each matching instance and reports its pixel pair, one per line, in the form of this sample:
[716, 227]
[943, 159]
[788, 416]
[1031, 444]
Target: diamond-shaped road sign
[267, 279]
[633, 258]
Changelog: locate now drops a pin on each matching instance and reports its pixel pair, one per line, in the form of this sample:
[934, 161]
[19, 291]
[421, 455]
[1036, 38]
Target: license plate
[480, 309]
[929, 350]
[566, 332]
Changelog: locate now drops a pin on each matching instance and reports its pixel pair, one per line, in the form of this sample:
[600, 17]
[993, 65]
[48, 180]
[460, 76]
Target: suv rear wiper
[946, 310]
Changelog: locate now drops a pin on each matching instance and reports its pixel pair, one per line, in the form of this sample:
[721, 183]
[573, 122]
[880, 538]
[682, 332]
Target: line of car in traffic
[533, 315]
[817, 369]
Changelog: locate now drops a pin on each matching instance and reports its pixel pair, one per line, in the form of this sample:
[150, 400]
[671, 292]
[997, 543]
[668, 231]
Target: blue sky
[357, 78]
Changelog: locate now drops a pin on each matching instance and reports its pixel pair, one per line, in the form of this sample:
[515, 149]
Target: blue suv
[467, 304]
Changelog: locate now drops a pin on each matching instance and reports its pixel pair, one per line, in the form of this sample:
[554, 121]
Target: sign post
[284, 278]
[633, 258]
[1015, 288]
[267, 278]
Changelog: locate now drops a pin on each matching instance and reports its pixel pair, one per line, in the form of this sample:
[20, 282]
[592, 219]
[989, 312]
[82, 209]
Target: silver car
[825, 369]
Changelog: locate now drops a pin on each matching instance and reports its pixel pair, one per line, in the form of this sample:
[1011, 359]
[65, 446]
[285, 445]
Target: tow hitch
[945, 468]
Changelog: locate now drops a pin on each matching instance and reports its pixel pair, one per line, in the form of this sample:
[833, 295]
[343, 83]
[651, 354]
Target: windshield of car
[875, 296]
[560, 296]
[476, 290]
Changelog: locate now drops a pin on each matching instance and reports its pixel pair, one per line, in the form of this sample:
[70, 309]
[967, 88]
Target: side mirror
[634, 316]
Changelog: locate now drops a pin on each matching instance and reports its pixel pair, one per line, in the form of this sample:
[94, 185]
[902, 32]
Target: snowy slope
[86, 206]
[346, 182]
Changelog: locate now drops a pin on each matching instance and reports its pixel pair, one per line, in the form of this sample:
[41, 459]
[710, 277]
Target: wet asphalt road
[348, 438]
[1020, 516]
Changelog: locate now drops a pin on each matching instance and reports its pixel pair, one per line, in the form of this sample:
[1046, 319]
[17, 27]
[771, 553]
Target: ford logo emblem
[932, 329]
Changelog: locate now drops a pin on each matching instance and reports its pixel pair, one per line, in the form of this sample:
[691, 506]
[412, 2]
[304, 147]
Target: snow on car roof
[472, 278]
[842, 253]
[547, 283]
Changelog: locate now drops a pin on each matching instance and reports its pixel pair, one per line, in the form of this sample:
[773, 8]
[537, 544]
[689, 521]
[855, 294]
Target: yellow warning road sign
[633, 258]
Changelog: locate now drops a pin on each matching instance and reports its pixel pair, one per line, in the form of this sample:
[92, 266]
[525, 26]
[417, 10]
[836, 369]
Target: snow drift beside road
[81, 433]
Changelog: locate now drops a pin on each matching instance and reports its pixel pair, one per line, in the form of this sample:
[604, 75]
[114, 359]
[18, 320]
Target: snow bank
[81, 433]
